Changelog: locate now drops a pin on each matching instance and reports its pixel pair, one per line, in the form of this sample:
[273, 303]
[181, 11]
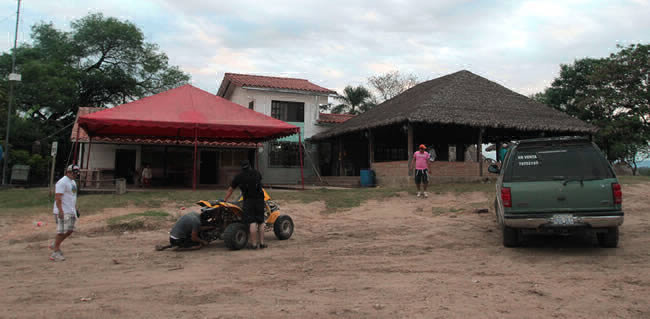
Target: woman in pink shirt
[421, 164]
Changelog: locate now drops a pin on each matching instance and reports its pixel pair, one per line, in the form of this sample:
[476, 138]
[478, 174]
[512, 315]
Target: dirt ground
[399, 258]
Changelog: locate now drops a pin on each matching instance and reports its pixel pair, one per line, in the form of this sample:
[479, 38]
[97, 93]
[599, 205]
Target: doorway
[209, 167]
[125, 165]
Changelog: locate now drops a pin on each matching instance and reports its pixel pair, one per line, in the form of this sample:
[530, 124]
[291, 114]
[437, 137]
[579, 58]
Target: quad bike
[227, 220]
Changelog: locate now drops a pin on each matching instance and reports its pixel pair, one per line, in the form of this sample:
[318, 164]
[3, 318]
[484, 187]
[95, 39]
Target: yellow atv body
[227, 220]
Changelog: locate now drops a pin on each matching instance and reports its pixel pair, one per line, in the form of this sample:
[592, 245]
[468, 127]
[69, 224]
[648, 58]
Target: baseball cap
[245, 164]
[72, 168]
[422, 146]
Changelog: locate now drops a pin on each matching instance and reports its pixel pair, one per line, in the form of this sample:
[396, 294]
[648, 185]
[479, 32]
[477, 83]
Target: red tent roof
[179, 112]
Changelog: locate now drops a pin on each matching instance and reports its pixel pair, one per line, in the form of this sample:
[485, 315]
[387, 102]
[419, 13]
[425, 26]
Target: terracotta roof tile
[334, 118]
[271, 82]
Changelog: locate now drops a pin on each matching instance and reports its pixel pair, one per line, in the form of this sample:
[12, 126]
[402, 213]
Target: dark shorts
[254, 211]
[421, 176]
[182, 242]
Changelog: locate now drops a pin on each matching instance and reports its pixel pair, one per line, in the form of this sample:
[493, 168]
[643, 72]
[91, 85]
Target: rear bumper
[613, 219]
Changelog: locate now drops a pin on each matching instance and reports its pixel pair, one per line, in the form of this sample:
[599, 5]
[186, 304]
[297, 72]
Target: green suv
[558, 186]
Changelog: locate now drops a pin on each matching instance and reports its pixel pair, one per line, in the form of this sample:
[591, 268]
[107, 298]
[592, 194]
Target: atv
[227, 220]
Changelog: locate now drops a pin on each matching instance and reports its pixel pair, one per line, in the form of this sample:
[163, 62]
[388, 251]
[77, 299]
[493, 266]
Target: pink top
[421, 159]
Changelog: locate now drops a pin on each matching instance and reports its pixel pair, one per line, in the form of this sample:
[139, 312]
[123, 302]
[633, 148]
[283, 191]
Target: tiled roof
[333, 118]
[149, 140]
[271, 82]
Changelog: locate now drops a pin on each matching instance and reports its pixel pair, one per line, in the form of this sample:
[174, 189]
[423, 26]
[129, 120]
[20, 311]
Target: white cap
[72, 168]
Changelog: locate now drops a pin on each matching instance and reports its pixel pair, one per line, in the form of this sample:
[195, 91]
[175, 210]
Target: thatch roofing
[463, 98]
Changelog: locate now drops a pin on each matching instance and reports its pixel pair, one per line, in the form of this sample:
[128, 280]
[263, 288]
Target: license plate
[563, 219]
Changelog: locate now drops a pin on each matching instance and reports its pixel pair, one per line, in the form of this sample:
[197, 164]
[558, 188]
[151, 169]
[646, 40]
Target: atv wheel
[283, 227]
[510, 236]
[235, 236]
[608, 239]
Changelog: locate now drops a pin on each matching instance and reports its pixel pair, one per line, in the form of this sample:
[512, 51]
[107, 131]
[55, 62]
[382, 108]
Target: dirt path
[403, 257]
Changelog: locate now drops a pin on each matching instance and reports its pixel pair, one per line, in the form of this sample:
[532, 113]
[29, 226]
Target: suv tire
[608, 239]
[510, 236]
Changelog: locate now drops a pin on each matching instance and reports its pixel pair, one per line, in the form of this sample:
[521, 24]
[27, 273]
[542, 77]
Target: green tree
[102, 61]
[611, 93]
[354, 100]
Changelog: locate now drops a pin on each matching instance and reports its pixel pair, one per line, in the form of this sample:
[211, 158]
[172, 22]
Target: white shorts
[66, 224]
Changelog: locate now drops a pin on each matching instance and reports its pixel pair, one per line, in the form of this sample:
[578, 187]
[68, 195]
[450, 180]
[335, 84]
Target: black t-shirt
[250, 183]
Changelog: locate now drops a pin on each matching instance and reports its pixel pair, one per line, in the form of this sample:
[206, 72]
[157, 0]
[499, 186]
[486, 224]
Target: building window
[251, 105]
[284, 154]
[288, 111]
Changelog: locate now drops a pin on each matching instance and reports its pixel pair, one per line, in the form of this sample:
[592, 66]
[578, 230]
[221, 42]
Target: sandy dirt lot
[399, 258]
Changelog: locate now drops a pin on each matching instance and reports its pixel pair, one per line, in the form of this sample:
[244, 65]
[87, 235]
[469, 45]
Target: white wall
[263, 100]
[102, 156]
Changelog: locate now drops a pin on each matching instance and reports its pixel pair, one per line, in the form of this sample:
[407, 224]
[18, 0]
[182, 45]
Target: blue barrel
[367, 178]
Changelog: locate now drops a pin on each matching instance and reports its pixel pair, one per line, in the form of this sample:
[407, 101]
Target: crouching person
[185, 233]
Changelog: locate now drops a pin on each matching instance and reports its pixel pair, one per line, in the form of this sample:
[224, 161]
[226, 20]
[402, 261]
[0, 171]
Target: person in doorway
[250, 183]
[146, 175]
[185, 233]
[65, 210]
[420, 164]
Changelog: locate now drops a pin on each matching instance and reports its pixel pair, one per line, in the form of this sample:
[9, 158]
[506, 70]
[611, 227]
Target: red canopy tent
[187, 112]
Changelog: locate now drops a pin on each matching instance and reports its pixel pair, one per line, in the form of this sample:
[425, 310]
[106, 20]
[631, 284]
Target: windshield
[556, 162]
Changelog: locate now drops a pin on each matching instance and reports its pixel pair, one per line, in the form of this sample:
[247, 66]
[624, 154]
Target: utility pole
[12, 78]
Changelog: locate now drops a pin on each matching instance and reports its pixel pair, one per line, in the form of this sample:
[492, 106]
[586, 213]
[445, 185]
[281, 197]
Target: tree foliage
[354, 100]
[102, 61]
[391, 84]
[611, 93]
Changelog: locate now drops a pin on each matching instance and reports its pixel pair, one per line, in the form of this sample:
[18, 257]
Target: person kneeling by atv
[185, 233]
[250, 183]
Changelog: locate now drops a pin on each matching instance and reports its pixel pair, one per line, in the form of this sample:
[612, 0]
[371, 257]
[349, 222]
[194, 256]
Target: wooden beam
[371, 148]
[410, 147]
[479, 150]
[341, 156]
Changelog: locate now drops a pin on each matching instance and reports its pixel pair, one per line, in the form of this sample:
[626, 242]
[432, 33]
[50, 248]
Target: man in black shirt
[250, 183]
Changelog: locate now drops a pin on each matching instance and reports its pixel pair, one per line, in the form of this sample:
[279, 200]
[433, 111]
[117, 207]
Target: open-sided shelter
[451, 114]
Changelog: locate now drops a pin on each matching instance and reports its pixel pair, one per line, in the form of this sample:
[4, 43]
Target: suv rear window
[556, 161]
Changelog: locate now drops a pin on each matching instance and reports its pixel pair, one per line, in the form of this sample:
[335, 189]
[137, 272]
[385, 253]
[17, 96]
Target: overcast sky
[519, 44]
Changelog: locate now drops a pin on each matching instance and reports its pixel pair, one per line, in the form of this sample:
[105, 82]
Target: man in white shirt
[65, 210]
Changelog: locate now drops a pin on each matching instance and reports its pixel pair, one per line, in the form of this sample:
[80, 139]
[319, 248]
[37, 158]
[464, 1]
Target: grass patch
[337, 198]
[136, 221]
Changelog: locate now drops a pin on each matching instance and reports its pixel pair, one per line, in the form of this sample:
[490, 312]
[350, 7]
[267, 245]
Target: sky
[518, 44]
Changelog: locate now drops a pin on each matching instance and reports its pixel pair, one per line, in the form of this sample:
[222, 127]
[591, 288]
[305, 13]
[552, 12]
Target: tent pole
[76, 147]
[90, 144]
[302, 175]
[257, 158]
[194, 171]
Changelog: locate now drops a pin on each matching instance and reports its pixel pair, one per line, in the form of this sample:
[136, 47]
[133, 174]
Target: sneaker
[57, 256]
[425, 194]
[419, 194]
[262, 246]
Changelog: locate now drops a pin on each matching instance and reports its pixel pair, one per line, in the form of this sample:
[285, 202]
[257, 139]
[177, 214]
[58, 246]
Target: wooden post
[410, 148]
[195, 157]
[371, 148]
[302, 175]
[479, 151]
[340, 156]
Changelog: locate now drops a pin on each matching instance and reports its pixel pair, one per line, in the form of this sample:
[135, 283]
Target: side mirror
[494, 169]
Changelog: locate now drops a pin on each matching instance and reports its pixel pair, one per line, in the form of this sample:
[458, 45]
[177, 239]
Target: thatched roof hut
[464, 98]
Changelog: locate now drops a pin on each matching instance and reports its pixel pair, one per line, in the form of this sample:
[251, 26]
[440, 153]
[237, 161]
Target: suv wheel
[510, 236]
[608, 239]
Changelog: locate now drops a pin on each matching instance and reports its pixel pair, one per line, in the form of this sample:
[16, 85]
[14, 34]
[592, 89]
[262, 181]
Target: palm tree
[356, 99]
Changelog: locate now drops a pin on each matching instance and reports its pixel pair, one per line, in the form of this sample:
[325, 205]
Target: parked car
[557, 185]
